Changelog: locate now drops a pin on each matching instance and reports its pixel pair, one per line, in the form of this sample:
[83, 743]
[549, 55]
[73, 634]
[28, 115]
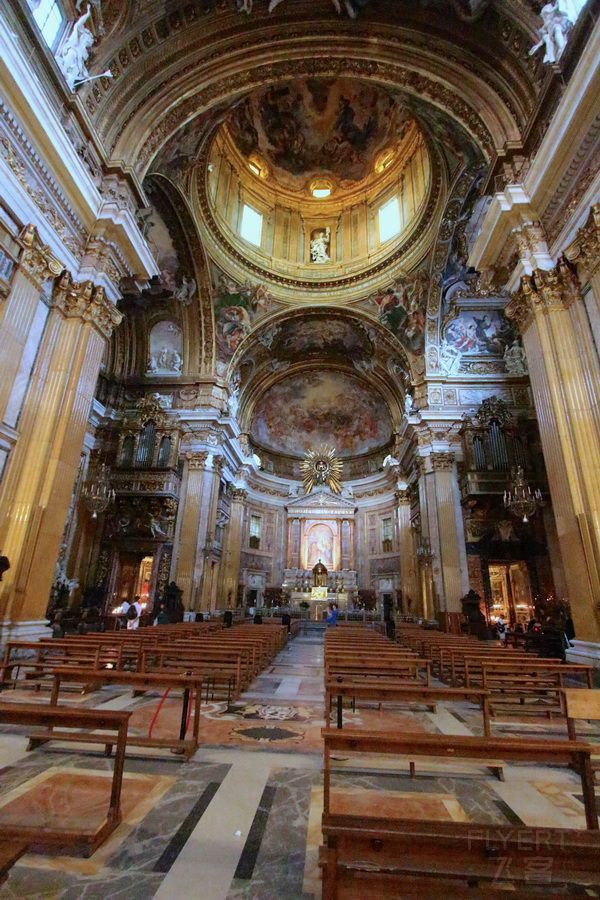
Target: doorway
[511, 592]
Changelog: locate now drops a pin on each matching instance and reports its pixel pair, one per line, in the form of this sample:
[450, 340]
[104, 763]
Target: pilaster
[38, 483]
[232, 549]
[565, 378]
[408, 565]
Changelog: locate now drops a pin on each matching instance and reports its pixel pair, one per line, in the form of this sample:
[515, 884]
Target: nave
[243, 817]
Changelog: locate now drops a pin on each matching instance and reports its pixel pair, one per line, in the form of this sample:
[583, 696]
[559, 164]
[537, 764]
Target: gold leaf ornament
[321, 466]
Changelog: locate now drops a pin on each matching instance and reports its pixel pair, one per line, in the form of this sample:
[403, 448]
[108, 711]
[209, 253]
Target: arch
[168, 85]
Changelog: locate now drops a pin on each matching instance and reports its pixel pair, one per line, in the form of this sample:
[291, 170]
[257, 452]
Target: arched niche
[165, 349]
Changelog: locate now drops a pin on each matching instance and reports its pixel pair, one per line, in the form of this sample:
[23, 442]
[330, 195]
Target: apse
[321, 406]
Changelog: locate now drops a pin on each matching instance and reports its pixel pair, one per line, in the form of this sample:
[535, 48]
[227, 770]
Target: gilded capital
[402, 496]
[519, 310]
[587, 242]
[37, 262]
[239, 494]
[196, 460]
[86, 301]
[442, 461]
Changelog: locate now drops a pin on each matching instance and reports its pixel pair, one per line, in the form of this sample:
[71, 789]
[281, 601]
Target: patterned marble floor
[242, 819]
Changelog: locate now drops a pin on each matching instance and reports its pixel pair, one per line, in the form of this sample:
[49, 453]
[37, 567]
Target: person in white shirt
[133, 621]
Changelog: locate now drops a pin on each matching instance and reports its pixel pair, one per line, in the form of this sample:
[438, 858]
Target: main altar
[321, 528]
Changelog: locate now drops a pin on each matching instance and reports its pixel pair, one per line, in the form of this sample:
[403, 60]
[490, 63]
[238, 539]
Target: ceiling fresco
[317, 126]
[401, 308]
[237, 307]
[308, 409]
[313, 336]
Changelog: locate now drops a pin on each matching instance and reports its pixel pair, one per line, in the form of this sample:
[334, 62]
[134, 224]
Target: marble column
[441, 510]
[408, 564]
[232, 549]
[38, 482]
[565, 378]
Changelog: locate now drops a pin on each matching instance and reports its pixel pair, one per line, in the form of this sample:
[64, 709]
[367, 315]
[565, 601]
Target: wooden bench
[583, 703]
[368, 856]
[10, 852]
[521, 750]
[535, 686]
[191, 691]
[94, 720]
[398, 692]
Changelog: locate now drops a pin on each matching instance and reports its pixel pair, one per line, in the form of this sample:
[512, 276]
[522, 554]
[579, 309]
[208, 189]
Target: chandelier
[424, 551]
[97, 493]
[520, 499]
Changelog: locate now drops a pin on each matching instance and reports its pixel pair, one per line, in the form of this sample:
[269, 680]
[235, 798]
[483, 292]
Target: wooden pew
[10, 852]
[362, 851]
[189, 685]
[583, 703]
[398, 692]
[535, 686]
[113, 722]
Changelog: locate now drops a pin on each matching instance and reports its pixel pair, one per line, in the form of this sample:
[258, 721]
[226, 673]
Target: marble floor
[242, 818]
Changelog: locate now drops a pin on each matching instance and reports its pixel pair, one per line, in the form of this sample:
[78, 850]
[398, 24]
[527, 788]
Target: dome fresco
[318, 126]
[308, 409]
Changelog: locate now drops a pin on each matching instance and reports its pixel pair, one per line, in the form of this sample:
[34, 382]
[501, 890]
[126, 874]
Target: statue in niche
[515, 359]
[553, 32]
[320, 240]
[75, 50]
[167, 359]
[319, 575]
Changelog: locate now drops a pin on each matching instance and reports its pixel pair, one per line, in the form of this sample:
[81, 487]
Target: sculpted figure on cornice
[74, 51]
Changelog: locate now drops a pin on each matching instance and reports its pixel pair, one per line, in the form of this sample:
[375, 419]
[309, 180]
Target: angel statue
[73, 53]
[184, 294]
[553, 32]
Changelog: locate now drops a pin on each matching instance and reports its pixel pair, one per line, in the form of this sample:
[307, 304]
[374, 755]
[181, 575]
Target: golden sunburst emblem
[321, 466]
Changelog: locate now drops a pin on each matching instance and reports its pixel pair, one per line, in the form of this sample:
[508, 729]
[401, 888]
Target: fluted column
[36, 490]
[565, 379]
[210, 573]
[22, 318]
[232, 549]
[408, 563]
[188, 567]
[444, 528]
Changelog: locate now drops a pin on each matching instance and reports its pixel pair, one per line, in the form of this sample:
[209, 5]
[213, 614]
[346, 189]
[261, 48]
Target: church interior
[299, 449]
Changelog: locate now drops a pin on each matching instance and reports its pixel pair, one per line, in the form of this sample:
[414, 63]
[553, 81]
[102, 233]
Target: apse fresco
[401, 308]
[480, 332]
[318, 125]
[327, 407]
[236, 307]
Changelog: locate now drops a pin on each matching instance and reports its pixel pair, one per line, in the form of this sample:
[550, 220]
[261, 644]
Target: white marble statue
[166, 359]
[390, 461]
[515, 359]
[319, 247]
[74, 51]
[408, 404]
[186, 291]
[553, 32]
